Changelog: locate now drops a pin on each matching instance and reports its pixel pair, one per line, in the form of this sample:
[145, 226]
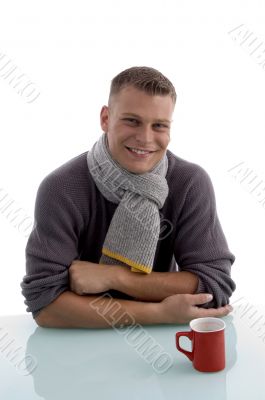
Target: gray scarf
[135, 226]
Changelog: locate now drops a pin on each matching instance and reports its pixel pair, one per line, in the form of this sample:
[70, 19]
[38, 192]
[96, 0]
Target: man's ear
[104, 119]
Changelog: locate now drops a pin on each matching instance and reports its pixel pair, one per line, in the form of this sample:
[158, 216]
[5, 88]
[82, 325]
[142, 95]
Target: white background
[72, 50]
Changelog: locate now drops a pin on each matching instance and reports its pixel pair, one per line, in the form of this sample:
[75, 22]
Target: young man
[128, 224]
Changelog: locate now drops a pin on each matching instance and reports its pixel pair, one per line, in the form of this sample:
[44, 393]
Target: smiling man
[137, 125]
[129, 222]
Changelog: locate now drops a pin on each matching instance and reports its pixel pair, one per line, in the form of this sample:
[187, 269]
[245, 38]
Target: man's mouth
[137, 151]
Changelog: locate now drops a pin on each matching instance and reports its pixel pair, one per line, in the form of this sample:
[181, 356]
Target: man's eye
[135, 121]
[130, 119]
[162, 126]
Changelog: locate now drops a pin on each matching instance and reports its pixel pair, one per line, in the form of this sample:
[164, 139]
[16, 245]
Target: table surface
[130, 363]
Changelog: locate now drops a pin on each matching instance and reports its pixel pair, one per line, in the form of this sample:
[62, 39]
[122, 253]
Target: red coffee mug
[208, 344]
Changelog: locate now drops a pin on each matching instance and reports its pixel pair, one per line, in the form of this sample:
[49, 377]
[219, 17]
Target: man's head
[138, 116]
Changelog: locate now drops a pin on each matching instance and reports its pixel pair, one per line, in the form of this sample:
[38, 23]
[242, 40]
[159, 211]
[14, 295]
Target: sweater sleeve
[52, 244]
[200, 245]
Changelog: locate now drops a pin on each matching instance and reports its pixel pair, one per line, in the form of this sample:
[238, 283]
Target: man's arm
[70, 310]
[155, 286]
[200, 246]
[53, 242]
[91, 278]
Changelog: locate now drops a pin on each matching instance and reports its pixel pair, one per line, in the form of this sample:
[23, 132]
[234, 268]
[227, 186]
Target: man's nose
[145, 134]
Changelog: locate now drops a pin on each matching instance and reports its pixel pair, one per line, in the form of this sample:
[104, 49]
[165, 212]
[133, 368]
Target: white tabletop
[106, 364]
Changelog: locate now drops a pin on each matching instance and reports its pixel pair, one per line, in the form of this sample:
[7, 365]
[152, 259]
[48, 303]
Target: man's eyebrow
[138, 116]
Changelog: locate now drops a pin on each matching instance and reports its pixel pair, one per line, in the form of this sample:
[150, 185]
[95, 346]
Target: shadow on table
[77, 363]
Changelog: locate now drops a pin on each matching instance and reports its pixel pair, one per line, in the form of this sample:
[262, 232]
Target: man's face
[136, 120]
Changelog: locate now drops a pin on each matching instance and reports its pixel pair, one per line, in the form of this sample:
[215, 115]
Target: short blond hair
[147, 79]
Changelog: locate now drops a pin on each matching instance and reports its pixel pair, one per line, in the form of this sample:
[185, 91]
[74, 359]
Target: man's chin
[139, 169]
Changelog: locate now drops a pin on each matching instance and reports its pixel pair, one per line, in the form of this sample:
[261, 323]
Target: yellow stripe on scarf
[135, 266]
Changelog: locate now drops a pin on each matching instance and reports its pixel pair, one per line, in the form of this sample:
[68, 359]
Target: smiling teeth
[139, 151]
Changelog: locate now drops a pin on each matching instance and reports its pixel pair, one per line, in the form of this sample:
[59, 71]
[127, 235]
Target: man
[112, 223]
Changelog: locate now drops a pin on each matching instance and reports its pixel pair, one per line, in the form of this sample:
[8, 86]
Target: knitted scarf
[135, 226]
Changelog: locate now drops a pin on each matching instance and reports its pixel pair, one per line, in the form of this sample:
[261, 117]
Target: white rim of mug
[192, 322]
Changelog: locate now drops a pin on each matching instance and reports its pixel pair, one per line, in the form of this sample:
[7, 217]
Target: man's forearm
[91, 278]
[70, 310]
[155, 286]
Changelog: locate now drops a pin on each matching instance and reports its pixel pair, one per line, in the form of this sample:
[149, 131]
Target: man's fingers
[212, 312]
[200, 298]
[203, 298]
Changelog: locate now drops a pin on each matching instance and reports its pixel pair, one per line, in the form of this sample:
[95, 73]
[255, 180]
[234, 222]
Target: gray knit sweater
[72, 219]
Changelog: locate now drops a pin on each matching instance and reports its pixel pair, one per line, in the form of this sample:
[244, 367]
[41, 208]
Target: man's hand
[181, 308]
[90, 278]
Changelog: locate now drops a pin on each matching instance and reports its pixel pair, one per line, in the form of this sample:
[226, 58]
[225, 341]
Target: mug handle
[189, 354]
